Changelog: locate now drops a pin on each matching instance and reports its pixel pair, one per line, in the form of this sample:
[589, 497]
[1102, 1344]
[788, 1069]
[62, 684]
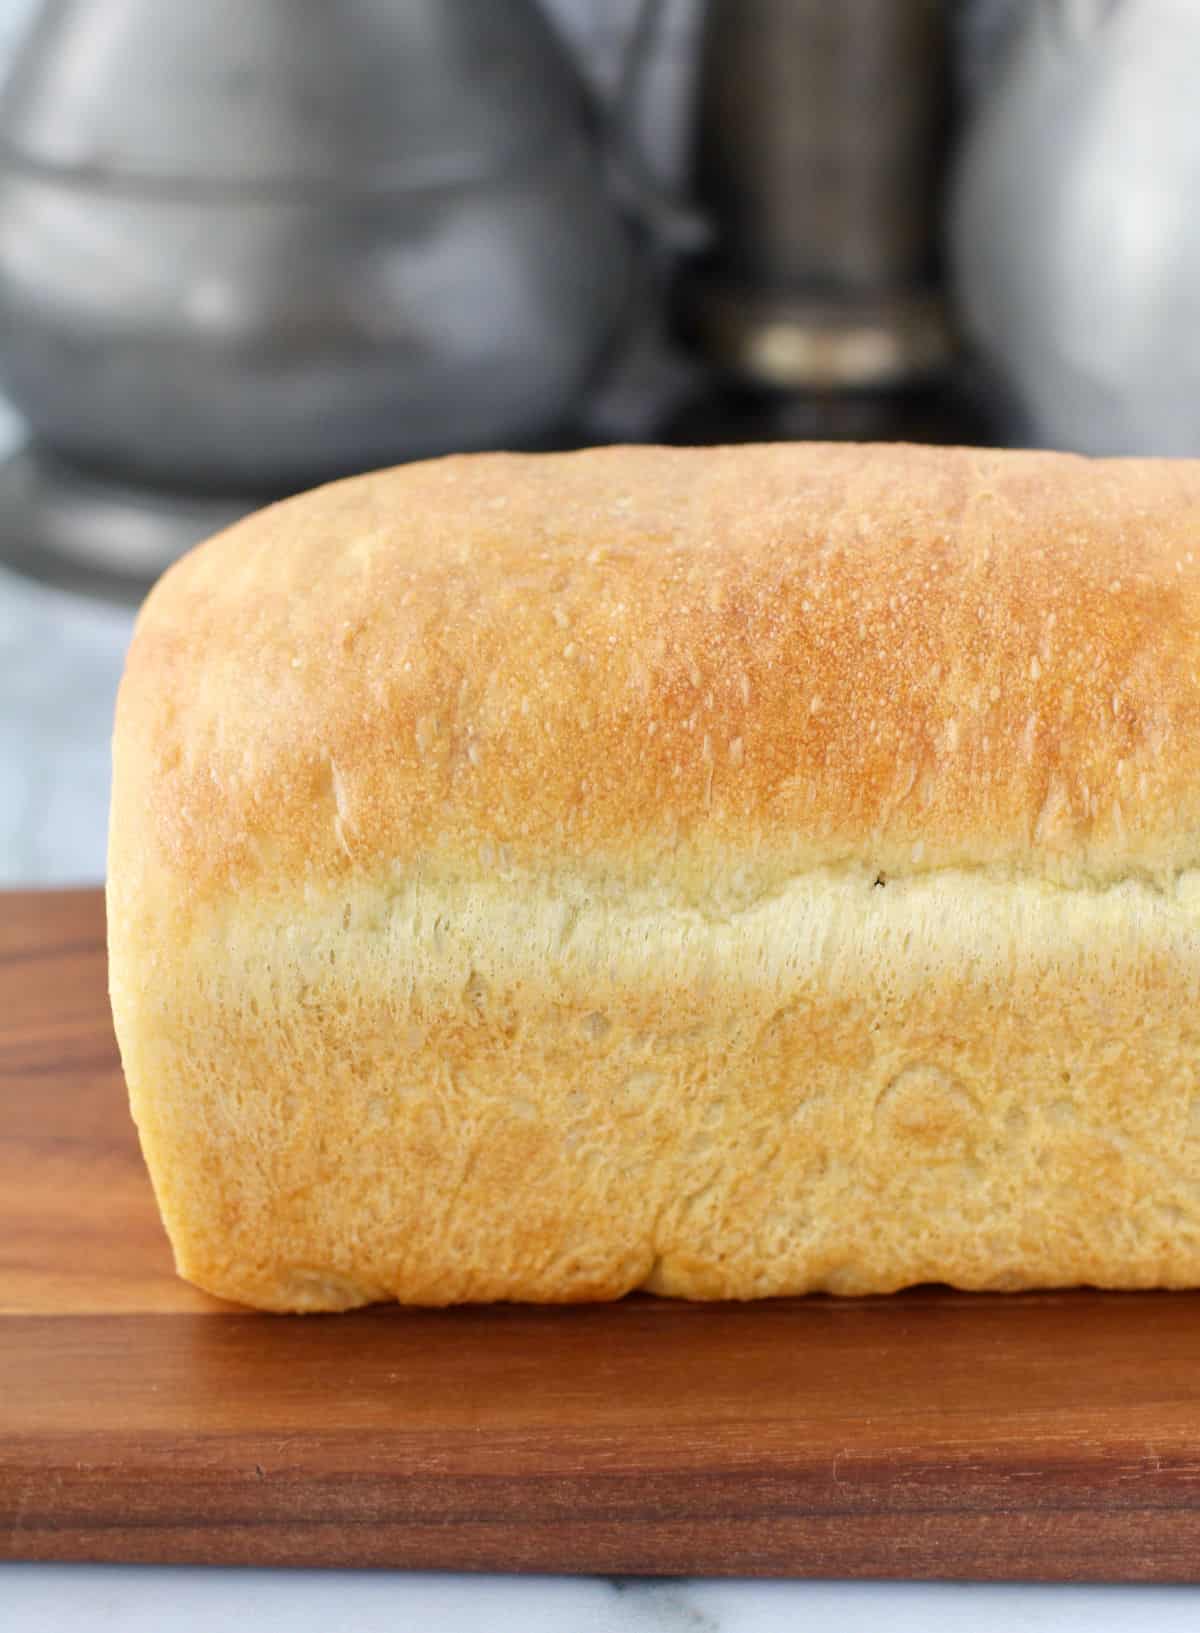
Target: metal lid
[278, 94]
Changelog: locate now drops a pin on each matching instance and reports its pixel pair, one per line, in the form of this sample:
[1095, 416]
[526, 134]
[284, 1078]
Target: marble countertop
[145, 1600]
[60, 661]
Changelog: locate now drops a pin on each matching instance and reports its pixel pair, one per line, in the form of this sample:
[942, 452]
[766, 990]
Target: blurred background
[250, 245]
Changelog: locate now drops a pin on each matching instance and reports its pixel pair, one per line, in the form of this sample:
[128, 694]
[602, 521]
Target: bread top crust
[701, 671]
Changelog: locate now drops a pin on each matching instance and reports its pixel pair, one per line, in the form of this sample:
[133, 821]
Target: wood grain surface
[930, 1435]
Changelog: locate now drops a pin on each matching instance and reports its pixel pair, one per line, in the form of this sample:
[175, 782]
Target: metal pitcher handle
[670, 218]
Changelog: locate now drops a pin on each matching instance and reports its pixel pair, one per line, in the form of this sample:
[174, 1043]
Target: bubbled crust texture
[733, 871]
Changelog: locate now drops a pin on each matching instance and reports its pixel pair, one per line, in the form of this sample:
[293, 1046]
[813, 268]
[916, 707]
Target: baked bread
[726, 872]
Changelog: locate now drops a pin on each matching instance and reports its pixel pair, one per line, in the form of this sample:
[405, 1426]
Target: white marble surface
[60, 660]
[49, 1598]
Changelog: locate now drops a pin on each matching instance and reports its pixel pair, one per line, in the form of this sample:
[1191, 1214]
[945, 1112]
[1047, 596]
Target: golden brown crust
[909, 658]
[729, 872]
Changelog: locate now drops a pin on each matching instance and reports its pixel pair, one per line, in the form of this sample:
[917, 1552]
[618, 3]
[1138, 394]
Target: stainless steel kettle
[247, 243]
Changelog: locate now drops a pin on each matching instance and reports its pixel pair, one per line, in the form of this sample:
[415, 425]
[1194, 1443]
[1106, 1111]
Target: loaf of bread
[723, 872]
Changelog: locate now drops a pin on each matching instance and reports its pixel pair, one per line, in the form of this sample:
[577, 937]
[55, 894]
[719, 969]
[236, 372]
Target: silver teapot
[247, 243]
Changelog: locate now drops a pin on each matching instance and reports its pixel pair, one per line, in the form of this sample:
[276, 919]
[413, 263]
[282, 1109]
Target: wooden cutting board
[933, 1434]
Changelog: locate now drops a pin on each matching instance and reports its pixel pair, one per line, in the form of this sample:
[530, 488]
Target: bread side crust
[455, 1090]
